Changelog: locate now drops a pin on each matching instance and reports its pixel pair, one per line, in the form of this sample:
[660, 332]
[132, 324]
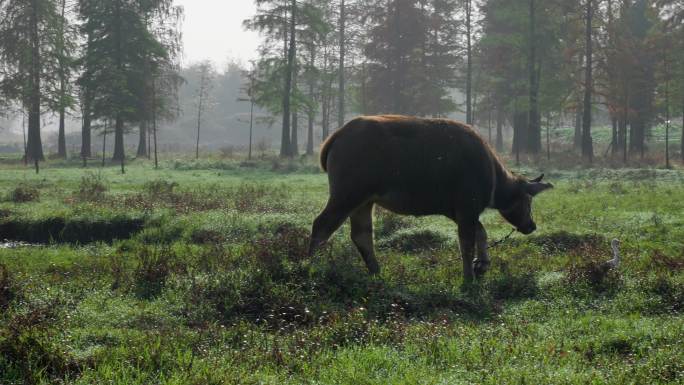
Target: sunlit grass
[215, 287]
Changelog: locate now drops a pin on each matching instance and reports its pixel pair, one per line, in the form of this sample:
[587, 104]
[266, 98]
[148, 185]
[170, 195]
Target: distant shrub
[617, 188]
[414, 240]
[283, 166]
[581, 186]
[186, 165]
[92, 188]
[227, 152]
[159, 188]
[299, 165]
[24, 193]
[263, 145]
[250, 164]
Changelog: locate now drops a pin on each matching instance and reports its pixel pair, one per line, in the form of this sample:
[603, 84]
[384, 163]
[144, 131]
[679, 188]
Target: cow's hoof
[373, 270]
[480, 267]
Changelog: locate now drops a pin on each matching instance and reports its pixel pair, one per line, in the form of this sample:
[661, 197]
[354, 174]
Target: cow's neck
[504, 185]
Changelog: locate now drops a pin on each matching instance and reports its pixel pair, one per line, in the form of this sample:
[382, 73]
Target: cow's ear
[539, 179]
[536, 188]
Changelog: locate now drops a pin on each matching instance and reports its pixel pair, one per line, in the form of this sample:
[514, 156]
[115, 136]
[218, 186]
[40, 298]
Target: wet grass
[214, 286]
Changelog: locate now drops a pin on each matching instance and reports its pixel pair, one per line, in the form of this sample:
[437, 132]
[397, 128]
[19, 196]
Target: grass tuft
[24, 193]
[92, 188]
[30, 351]
[414, 240]
[9, 289]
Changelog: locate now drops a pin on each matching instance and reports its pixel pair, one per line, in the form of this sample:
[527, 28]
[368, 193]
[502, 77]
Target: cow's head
[518, 210]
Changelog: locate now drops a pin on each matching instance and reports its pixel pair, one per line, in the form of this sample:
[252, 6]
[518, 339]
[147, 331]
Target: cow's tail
[325, 149]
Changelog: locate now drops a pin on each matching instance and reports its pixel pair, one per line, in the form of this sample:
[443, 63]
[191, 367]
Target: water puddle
[7, 244]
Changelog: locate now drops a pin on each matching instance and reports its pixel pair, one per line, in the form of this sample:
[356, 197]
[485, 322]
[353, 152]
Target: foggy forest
[341, 192]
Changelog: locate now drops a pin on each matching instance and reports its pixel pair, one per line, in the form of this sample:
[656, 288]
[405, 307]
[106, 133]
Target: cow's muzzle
[528, 229]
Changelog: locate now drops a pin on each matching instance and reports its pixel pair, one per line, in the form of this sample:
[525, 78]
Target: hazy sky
[213, 30]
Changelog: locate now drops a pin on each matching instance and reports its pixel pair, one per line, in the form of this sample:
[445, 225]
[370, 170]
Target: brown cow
[419, 167]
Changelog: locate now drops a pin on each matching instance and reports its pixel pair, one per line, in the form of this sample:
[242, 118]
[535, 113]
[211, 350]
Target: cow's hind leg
[327, 222]
[466, 238]
[481, 263]
[362, 235]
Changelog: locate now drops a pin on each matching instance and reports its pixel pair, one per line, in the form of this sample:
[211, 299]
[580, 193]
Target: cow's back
[415, 166]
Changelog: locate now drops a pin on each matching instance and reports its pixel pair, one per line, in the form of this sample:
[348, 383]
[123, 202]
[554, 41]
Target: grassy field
[196, 274]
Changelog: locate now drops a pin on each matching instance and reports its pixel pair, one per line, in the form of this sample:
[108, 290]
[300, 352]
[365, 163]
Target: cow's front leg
[466, 237]
[481, 263]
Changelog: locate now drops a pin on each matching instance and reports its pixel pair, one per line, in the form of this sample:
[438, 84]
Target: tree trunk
[364, 89]
[251, 126]
[499, 129]
[149, 144]
[579, 112]
[667, 109]
[294, 141]
[625, 120]
[325, 127]
[119, 138]
[310, 133]
[637, 134]
[341, 87]
[520, 126]
[104, 142]
[61, 136]
[469, 69]
[154, 122]
[142, 142]
[621, 129]
[614, 136]
[199, 117]
[311, 111]
[144, 132]
[396, 66]
[85, 132]
[534, 120]
[23, 129]
[489, 127]
[119, 152]
[326, 96]
[587, 142]
[548, 137]
[285, 146]
[34, 144]
[577, 139]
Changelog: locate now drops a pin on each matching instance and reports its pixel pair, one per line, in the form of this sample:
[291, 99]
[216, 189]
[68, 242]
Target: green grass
[214, 287]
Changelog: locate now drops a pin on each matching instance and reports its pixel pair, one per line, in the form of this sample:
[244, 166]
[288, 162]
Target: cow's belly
[414, 203]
